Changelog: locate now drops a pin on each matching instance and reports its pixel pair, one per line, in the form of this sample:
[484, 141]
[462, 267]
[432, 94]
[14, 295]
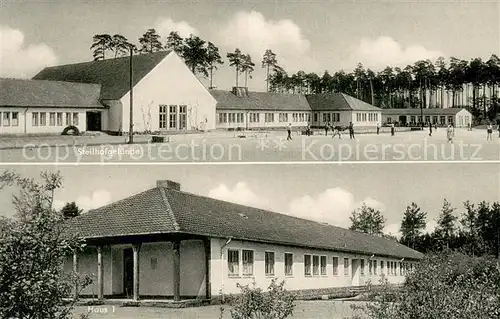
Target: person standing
[378, 128]
[392, 129]
[430, 129]
[489, 131]
[449, 133]
[327, 125]
[337, 131]
[351, 130]
[289, 130]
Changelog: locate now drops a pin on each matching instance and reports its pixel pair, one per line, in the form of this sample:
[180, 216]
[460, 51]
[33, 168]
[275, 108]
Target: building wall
[221, 279]
[366, 118]
[246, 119]
[26, 124]
[169, 83]
[461, 119]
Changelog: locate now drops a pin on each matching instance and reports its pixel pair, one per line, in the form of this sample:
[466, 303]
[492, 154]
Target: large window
[52, 119]
[172, 116]
[283, 117]
[335, 263]
[163, 117]
[307, 265]
[43, 119]
[182, 117]
[59, 119]
[68, 119]
[233, 262]
[240, 118]
[382, 267]
[346, 266]
[76, 119]
[247, 262]
[35, 119]
[375, 267]
[269, 117]
[269, 263]
[315, 117]
[362, 267]
[6, 118]
[254, 117]
[323, 265]
[288, 264]
[315, 265]
[15, 119]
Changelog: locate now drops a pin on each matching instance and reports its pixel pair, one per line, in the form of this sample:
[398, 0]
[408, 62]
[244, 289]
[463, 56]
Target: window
[389, 120]
[370, 269]
[269, 261]
[364, 117]
[221, 117]
[295, 117]
[442, 120]
[43, 119]
[288, 264]
[283, 117]
[362, 267]
[346, 266]
[247, 262]
[412, 119]
[315, 117]
[434, 120]
[307, 265]
[68, 119]
[450, 120]
[269, 117]
[172, 116]
[59, 119]
[34, 119]
[75, 119]
[382, 267]
[323, 265]
[182, 117]
[239, 118]
[358, 117]
[15, 119]
[427, 119]
[233, 262]
[163, 117]
[335, 263]
[154, 263]
[6, 118]
[375, 267]
[400, 269]
[52, 119]
[315, 265]
[254, 117]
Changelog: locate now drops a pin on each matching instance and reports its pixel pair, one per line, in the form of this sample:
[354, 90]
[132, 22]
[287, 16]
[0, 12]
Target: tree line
[424, 84]
[476, 231]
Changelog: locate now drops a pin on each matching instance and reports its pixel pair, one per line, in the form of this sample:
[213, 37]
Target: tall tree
[445, 229]
[120, 45]
[213, 59]
[150, 42]
[367, 220]
[412, 225]
[71, 210]
[174, 42]
[247, 67]
[236, 60]
[102, 43]
[269, 62]
[194, 54]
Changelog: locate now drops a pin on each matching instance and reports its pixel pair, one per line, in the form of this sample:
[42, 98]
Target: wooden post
[75, 270]
[177, 270]
[100, 283]
[136, 248]
[206, 243]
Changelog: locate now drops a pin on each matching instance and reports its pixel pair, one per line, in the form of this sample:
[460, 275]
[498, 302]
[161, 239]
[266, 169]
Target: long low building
[165, 242]
[459, 117]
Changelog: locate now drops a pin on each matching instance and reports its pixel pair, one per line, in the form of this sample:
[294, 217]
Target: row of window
[328, 117]
[268, 117]
[314, 265]
[366, 117]
[418, 119]
[168, 116]
[9, 118]
[54, 118]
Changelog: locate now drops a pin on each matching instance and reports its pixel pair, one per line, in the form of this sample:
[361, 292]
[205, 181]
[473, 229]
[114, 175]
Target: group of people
[489, 131]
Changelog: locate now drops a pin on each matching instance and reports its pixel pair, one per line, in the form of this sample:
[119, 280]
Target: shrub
[71, 130]
[254, 303]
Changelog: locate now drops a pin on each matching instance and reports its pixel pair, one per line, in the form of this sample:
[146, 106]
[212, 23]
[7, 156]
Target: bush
[71, 130]
[448, 285]
[254, 303]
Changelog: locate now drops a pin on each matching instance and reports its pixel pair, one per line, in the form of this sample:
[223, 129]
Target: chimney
[240, 91]
[168, 184]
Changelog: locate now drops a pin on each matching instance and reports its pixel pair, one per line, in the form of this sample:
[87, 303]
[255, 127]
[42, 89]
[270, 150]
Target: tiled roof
[358, 105]
[162, 210]
[112, 74]
[416, 111]
[33, 93]
[260, 101]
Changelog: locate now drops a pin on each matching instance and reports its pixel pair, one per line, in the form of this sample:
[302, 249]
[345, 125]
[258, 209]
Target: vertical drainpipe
[222, 266]
[25, 119]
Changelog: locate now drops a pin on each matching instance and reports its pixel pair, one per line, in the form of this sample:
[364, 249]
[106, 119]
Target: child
[289, 129]
[450, 132]
[489, 130]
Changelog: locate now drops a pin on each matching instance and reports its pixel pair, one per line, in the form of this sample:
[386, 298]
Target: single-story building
[459, 117]
[243, 109]
[165, 242]
[166, 96]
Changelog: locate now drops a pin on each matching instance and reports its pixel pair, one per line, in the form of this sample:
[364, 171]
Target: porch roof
[162, 210]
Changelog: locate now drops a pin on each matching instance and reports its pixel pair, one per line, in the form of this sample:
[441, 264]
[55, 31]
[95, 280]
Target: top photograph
[249, 81]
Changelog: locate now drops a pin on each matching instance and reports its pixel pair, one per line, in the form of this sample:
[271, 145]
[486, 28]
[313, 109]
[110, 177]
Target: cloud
[253, 34]
[240, 194]
[97, 199]
[333, 206]
[165, 25]
[383, 51]
[19, 60]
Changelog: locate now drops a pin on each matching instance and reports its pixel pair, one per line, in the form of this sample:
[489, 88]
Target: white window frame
[237, 273]
[268, 274]
[253, 263]
[346, 269]
[35, 119]
[284, 264]
[310, 266]
[317, 257]
[325, 258]
[335, 268]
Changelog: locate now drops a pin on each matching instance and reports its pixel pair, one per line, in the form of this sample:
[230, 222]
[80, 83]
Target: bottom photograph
[250, 241]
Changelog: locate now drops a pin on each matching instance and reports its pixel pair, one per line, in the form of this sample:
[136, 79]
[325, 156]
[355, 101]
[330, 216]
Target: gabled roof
[165, 211]
[37, 93]
[416, 111]
[260, 101]
[338, 102]
[112, 74]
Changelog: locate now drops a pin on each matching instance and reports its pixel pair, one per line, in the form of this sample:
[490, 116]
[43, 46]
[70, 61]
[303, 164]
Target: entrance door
[355, 272]
[128, 272]
[402, 120]
[93, 121]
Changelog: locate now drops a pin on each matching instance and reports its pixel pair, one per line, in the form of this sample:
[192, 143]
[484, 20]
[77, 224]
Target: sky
[326, 193]
[312, 35]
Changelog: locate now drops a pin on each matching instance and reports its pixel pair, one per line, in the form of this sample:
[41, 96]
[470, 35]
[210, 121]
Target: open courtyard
[223, 146]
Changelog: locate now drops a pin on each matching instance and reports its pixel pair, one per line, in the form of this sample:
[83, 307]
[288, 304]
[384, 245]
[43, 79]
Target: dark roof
[261, 101]
[416, 111]
[112, 74]
[36, 93]
[164, 211]
[338, 102]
